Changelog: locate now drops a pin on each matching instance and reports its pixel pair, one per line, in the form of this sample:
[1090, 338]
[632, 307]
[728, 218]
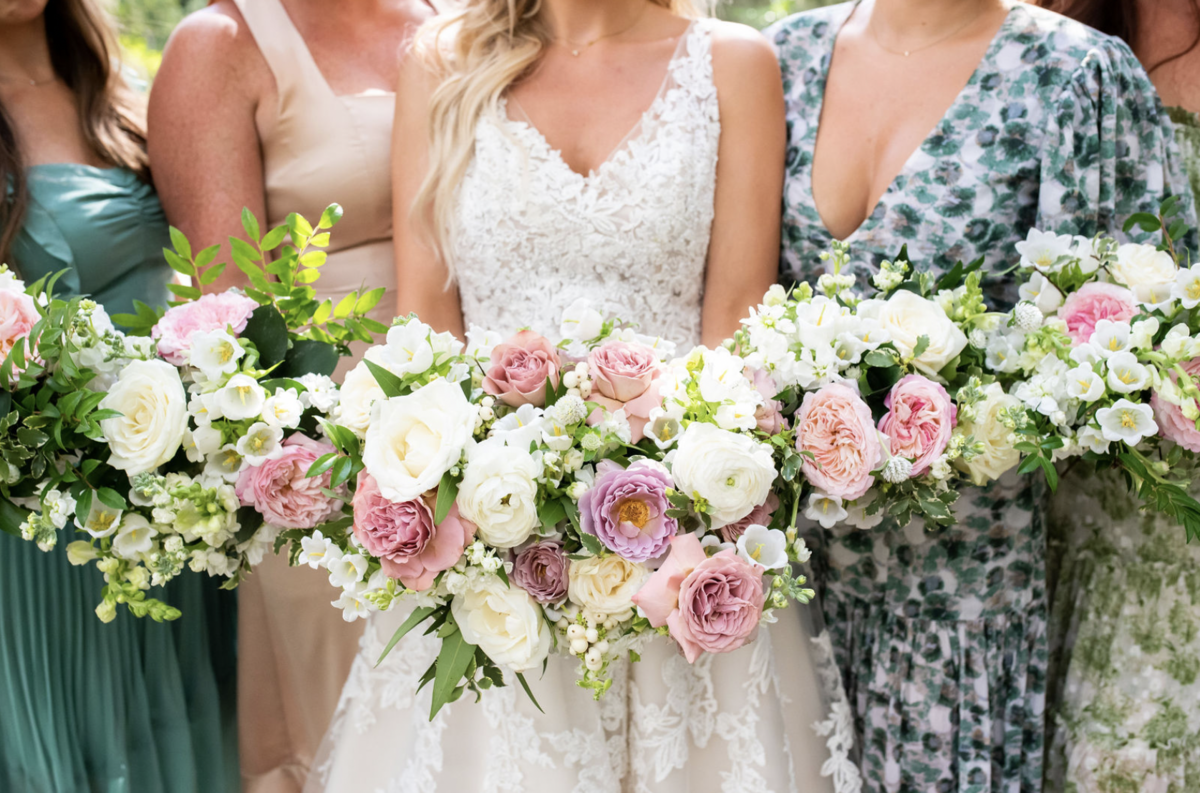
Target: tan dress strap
[284, 49]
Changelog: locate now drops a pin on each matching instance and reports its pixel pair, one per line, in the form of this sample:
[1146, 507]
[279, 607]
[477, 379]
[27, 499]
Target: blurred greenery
[760, 13]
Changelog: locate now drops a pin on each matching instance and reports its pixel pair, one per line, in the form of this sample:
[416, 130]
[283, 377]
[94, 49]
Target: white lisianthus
[763, 547]
[498, 493]
[504, 621]
[581, 322]
[604, 586]
[261, 442]
[408, 350]
[134, 538]
[283, 408]
[241, 398]
[412, 440]
[1127, 422]
[998, 454]
[907, 317]
[732, 473]
[1041, 250]
[153, 404]
[1084, 384]
[360, 391]
[1187, 287]
[215, 353]
[1043, 294]
[1146, 270]
[1125, 374]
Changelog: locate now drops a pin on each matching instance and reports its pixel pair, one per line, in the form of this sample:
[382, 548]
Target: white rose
[499, 493]
[732, 472]
[153, 404]
[998, 454]
[604, 586]
[1149, 272]
[414, 439]
[907, 317]
[504, 621]
[360, 391]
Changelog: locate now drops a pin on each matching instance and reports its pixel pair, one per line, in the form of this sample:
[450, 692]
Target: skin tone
[873, 118]
[215, 91]
[44, 116]
[585, 105]
[1168, 27]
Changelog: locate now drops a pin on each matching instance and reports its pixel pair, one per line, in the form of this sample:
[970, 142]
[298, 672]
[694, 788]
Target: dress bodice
[532, 235]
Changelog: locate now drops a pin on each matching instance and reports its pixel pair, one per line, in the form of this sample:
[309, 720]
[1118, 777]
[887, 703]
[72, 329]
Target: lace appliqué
[839, 727]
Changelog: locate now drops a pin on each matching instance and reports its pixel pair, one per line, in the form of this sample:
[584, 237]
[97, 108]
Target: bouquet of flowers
[1104, 351]
[183, 443]
[524, 497]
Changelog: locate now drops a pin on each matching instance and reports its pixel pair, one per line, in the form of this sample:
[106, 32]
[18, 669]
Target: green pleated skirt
[132, 706]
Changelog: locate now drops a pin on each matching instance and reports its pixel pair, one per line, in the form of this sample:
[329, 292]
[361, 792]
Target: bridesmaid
[1125, 625]
[954, 126]
[132, 706]
[282, 106]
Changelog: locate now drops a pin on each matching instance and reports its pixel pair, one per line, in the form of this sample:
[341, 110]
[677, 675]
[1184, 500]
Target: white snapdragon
[58, 507]
[320, 392]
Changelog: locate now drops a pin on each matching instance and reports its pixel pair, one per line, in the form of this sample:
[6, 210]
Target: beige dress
[294, 650]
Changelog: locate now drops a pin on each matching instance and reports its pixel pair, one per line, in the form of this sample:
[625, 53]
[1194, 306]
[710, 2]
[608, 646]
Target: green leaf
[308, 276]
[273, 239]
[299, 227]
[591, 543]
[447, 493]
[314, 259]
[345, 306]
[268, 330]
[180, 241]
[922, 346]
[250, 224]
[331, 215]
[321, 464]
[323, 312]
[391, 385]
[416, 618]
[11, 517]
[453, 659]
[308, 356]
[212, 273]
[188, 292]
[240, 247]
[1145, 220]
[341, 471]
[528, 693]
[551, 513]
[111, 498]
[205, 257]
[179, 264]
[320, 240]
[369, 300]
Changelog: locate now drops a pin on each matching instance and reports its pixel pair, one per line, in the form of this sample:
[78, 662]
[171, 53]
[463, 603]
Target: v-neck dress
[941, 635]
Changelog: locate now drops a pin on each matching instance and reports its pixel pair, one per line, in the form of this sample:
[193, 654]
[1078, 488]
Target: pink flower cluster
[281, 490]
[18, 315]
[1093, 302]
[625, 376]
[921, 416]
[519, 370]
[1172, 424]
[211, 312]
[835, 426]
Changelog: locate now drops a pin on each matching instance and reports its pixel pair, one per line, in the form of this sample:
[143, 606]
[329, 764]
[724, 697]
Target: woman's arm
[203, 140]
[743, 256]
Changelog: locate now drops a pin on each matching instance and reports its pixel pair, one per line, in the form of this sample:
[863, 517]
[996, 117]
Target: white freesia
[998, 454]
[241, 398]
[414, 439]
[1084, 384]
[731, 472]
[261, 442]
[498, 493]
[360, 391]
[906, 317]
[153, 404]
[408, 350]
[1041, 250]
[134, 538]
[1127, 422]
[1126, 374]
[215, 353]
[283, 408]
[825, 509]
[763, 547]
[581, 322]
[604, 586]
[1043, 294]
[504, 621]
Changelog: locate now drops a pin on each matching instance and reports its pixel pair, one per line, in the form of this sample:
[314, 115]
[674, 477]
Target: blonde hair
[475, 54]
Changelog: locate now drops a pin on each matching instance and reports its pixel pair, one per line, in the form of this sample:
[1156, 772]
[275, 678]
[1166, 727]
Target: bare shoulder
[741, 53]
[215, 45]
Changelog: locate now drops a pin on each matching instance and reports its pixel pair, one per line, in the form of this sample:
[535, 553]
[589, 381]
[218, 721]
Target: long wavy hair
[83, 52]
[1119, 18]
[475, 54]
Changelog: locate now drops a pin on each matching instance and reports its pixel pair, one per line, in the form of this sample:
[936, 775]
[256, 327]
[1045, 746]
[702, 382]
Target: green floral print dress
[941, 636]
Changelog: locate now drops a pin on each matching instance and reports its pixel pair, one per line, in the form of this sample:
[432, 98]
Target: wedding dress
[632, 237]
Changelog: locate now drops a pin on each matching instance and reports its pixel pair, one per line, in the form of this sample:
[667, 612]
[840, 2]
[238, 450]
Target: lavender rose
[541, 570]
[627, 509]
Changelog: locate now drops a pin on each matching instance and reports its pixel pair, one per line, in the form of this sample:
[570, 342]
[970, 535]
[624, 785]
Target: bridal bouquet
[1104, 351]
[524, 497]
[186, 446]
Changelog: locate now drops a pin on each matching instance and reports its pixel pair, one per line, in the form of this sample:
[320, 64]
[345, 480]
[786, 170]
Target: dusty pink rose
[519, 370]
[18, 315]
[211, 312]
[541, 570]
[1092, 303]
[1172, 424]
[768, 414]
[760, 516]
[708, 604]
[402, 535]
[282, 492]
[919, 421]
[625, 376]
[835, 426]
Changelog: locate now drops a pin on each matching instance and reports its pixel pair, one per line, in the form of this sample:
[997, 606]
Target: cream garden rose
[605, 585]
[998, 454]
[414, 439]
[498, 493]
[153, 406]
[731, 472]
[360, 391]
[1147, 271]
[907, 317]
[505, 621]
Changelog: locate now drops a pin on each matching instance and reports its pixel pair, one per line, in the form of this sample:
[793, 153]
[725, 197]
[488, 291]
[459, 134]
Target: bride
[629, 152]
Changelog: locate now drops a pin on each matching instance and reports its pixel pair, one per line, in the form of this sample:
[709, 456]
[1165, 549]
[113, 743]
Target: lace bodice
[533, 235]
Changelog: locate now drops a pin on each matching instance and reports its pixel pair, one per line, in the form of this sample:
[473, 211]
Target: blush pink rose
[519, 370]
[216, 311]
[402, 535]
[1172, 424]
[625, 376]
[769, 413]
[1092, 303]
[835, 426]
[709, 605]
[759, 516]
[919, 421]
[18, 315]
[281, 490]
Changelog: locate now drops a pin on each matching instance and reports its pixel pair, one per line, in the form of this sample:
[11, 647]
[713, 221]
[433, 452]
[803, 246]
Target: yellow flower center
[1128, 420]
[757, 552]
[635, 512]
[1112, 344]
[1193, 290]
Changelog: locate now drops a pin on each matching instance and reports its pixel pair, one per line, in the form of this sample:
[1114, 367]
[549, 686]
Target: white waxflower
[1042, 250]
[316, 551]
[1027, 317]
[1040, 292]
[241, 398]
[766, 548]
[1126, 374]
[283, 408]
[261, 442]
[896, 470]
[1110, 338]
[1187, 287]
[134, 538]
[226, 463]
[824, 509]
[347, 569]
[1084, 384]
[581, 322]
[215, 353]
[1127, 422]
[320, 392]
[408, 349]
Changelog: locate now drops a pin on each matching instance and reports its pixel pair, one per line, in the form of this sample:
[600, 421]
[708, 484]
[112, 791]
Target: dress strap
[283, 47]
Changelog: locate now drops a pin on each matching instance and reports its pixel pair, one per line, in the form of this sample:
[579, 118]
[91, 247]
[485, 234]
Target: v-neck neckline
[634, 132]
[989, 55]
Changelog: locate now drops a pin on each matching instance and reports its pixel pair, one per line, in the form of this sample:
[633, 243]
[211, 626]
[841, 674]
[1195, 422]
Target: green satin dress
[132, 706]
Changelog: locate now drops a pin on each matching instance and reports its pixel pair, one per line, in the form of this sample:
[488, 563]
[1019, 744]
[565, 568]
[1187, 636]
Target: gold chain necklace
[922, 48]
[578, 48]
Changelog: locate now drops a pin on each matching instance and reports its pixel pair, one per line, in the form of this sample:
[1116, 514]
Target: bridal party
[603, 396]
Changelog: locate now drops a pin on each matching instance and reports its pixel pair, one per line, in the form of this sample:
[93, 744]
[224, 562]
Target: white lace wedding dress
[633, 238]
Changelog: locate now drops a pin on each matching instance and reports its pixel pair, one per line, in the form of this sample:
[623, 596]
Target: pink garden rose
[625, 376]
[708, 604]
[919, 421]
[402, 535]
[769, 415]
[1172, 424]
[760, 516]
[18, 315]
[519, 370]
[282, 492]
[541, 570]
[1092, 303]
[835, 426]
[216, 311]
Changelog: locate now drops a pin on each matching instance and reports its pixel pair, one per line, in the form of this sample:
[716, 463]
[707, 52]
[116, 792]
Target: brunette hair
[83, 52]
[1118, 18]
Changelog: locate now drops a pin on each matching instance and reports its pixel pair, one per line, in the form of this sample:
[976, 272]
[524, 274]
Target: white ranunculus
[504, 621]
[241, 398]
[414, 439]
[498, 493]
[763, 547]
[1149, 272]
[604, 586]
[907, 317]
[153, 404]
[998, 453]
[360, 391]
[1126, 421]
[732, 472]
[1043, 294]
